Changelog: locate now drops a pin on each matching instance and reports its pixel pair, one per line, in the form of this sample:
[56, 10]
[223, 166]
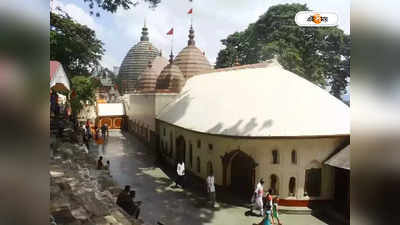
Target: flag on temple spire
[171, 32]
[190, 11]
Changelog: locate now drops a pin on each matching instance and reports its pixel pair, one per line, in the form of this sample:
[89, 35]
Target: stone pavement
[133, 164]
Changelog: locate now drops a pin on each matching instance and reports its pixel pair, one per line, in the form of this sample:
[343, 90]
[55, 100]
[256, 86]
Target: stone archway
[242, 172]
[313, 179]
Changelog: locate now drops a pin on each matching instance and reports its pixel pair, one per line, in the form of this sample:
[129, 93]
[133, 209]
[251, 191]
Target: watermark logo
[316, 19]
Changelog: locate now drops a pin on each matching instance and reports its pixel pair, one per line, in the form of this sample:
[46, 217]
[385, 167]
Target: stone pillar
[300, 184]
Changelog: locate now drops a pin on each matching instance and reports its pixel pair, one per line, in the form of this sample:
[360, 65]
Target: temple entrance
[242, 174]
[180, 149]
[313, 182]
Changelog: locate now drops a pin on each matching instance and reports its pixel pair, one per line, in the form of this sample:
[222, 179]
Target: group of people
[266, 204]
[101, 166]
[210, 182]
[88, 133]
[126, 201]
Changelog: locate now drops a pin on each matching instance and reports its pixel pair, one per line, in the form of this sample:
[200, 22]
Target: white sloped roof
[110, 109]
[340, 159]
[257, 102]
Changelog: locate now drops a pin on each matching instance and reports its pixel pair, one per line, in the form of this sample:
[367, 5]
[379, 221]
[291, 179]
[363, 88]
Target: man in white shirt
[259, 193]
[181, 173]
[211, 188]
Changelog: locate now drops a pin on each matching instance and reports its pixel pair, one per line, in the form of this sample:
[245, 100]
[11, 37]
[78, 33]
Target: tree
[83, 92]
[319, 54]
[113, 5]
[74, 45]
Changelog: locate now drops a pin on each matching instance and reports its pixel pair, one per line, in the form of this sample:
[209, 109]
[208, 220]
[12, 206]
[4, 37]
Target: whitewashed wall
[311, 152]
[145, 107]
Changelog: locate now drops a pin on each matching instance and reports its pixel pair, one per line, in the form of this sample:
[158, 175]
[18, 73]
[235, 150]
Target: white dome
[257, 102]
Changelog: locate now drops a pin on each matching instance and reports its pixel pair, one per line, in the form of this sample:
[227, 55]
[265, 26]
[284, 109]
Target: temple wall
[310, 152]
[145, 107]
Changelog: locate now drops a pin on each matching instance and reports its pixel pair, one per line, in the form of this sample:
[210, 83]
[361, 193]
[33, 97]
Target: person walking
[275, 210]
[180, 170]
[104, 130]
[211, 188]
[259, 193]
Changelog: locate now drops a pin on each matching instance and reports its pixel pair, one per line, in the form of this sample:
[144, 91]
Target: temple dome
[191, 60]
[171, 78]
[136, 61]
[148, 79]
[257, 102]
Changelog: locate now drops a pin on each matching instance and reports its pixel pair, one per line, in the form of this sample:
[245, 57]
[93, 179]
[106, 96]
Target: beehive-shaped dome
[148, 79]
[171, 78]
[191, 60]
[136, 61]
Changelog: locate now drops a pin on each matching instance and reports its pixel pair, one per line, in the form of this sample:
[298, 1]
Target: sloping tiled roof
[340, 159]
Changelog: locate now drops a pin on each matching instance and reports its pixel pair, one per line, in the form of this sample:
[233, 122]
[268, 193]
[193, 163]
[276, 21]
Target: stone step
[295, 210]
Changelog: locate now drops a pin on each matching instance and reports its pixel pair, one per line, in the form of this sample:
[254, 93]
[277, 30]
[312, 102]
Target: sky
[213, 20]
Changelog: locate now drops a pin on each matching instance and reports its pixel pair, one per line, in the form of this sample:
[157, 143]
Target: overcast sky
[213, 20]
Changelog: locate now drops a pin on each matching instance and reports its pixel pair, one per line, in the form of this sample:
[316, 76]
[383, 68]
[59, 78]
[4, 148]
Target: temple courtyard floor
[133, 164]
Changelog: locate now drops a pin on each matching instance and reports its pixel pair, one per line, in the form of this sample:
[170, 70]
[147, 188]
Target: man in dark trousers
[104, 130]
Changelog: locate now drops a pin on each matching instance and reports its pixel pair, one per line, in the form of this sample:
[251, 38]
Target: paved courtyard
[133, 164]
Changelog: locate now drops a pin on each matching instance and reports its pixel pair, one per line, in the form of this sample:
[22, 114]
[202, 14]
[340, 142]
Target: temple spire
[145, 34]
[171, 57]
[191, 36]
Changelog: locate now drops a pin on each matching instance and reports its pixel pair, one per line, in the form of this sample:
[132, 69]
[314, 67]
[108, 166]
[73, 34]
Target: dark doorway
[274, 184]
[342, 191]
[242, 175]
[313, 182]
[292, 186]
[180, 149]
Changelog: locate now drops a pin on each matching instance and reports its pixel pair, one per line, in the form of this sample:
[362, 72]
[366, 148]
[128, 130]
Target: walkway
[132, 164]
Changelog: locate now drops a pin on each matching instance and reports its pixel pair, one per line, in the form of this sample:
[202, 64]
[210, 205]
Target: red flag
[170, 32]
[190, 11]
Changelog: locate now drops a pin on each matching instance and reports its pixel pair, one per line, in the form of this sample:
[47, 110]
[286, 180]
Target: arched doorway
[180, 148]
[292, 186]
[274, 184]
[242, 174]
[313, 179]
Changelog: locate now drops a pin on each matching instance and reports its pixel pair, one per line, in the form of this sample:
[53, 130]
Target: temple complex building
[255, 122]
[243, 123]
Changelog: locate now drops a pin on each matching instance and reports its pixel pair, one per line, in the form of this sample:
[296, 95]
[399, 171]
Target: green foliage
[113, 5]
[319, 54]
[74, 45]
[83, 92]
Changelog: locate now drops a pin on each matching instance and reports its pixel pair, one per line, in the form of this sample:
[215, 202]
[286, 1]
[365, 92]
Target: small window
[198, 144]
[190, 155]
[209, 168]
[292, 186]
[274, 186]
[275, 157]
[294, 157]
[171, 146]
[210, 146]
[198, 164]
